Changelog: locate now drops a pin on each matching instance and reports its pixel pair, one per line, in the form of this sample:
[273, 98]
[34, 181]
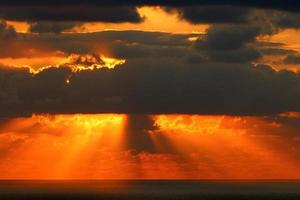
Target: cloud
[116, 11]
[221, 14]
[74, 12]
[228, 37]
[222, 42]
[164, 73]
[121, 43]
[153, 86]
[6, 32]
[275, 51]
[137, 133]
[86, 60]
[289, 125]
[271, 20]
[241, 55]
[292, 59]
[230, 43]
[226, 43]
[52, 27]
[286, 20]
[292, 5]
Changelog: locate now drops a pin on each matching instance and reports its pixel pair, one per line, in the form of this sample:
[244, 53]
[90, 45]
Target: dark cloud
[225, 43]
[286, 20]
[289, 125]
[222, 42]
[148, 86]
[269, 21]
[137, 133]
[275, 51]
[164, 73]
[213, 14]
[6, 32]
[240, 55]
[72, 12]
[203, 11]
[138, 130]
[52, 27]
[230, 43]
[292, 59]
[292, 5]
[132, 51]
[194, 58]
[216, 11]
[228, 37]
[273, 48]
[124, 44]
[86, 60]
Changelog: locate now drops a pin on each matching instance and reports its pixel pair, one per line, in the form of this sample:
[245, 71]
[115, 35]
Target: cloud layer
[216, 72]
[70, 13]
[275, 4]
[152, 87]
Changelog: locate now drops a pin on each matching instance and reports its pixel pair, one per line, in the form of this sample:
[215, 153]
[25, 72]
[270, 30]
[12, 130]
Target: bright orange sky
[95, 147]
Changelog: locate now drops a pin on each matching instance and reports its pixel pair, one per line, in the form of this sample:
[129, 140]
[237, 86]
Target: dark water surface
[202, 190]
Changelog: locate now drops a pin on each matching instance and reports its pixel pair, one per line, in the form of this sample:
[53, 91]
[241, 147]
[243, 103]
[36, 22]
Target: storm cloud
[203, 14]
[70, 13]
[152, 87]
[188, 73]
[52, 27]
[292, 5]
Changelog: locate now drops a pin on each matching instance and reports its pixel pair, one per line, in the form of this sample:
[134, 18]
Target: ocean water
[146, 189]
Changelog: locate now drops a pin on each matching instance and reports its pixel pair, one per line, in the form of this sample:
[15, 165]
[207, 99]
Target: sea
[149, 189]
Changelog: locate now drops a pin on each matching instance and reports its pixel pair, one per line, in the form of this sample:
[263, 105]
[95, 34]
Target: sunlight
[114, 146]
[219, 145]
[61, 138]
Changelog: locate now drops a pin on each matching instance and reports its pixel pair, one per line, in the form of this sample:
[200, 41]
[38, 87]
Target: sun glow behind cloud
[152, 22]
[96, 146]
[75, 61]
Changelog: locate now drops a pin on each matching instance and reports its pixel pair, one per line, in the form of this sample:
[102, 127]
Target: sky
[149, 89]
